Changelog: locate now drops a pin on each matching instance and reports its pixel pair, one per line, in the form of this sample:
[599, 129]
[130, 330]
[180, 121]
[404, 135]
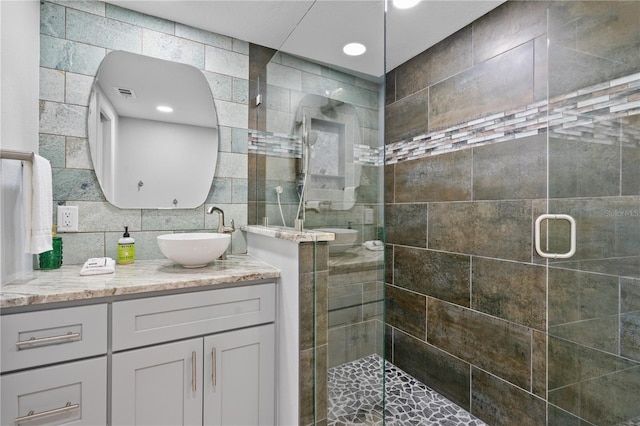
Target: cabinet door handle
[44, 340]
[193, 371]
[33, 415]
[213, 367]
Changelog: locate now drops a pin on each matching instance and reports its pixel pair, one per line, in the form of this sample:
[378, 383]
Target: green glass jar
[52, 259]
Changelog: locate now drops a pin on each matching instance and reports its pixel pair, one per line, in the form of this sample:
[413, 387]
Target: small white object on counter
[98, 265]
[375, 245]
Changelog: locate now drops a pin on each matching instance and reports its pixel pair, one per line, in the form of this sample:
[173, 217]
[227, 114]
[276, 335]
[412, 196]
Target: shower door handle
[572, 248]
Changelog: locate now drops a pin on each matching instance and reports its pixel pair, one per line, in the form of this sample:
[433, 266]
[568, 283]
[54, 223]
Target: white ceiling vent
[125, 93]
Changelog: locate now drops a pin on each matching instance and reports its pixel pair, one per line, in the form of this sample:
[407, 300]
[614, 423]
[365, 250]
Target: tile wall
[75, 36]
[470, 310]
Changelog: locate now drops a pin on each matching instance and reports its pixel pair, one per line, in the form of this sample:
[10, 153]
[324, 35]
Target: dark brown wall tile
[447, 58]
[495, 345]
[321, 382]
[500, 229]
[540, 69]
[406, 311]
[629, 295]
[498, 84]
[406, 117]
[511, 291]
[559, 417]
[447, 375]
[630, 335]
[570, 363]
[306, 297]
[606, 400]
[630, 171]
[500, 403]
[592, 42]
[583, 169]
[390, 88]
[388, 263]
[441, 275]
[307, 387]
[508, 26]
[445, 177]
[321, 308]
[598, 333]
[539, 364]
[389, 183]
[406, 224]
[576, 296]
[520, 172]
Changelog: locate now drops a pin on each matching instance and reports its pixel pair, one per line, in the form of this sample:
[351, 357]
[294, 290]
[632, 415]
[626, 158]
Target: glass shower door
[593, 344]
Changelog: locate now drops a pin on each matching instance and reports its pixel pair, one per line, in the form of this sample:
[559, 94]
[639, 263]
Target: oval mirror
[153, 132]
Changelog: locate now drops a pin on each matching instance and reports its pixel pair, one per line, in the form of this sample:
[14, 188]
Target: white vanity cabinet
[204, 358]
[74, 390]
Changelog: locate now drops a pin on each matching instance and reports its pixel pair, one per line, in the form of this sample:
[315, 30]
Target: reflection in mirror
[153, 132]
[328, 177]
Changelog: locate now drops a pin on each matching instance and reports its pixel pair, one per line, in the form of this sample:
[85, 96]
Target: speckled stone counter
[66, 284]
[289, 234]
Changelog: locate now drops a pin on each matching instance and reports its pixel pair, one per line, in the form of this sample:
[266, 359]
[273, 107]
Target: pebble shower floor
[355, 398]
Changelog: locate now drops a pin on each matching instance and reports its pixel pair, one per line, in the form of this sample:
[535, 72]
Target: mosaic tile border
[587, 115]
[286, 146]
[355, 398]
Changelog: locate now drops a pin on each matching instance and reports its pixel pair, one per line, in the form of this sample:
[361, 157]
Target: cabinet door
[72, 393]
[159, 385]
[240, 389]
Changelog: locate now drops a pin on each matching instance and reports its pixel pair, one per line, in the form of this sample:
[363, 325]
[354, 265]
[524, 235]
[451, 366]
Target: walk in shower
[530, 110]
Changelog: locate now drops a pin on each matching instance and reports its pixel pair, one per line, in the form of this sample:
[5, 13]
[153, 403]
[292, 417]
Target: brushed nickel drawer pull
[45, 340]
[193, 371]
[213, 367]
[33, 415]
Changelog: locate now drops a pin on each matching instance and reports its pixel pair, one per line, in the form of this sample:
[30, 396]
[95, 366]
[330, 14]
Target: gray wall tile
[139, 19]
[52, 85]
[98, 31]
[63, 119]
[75, 185]
[71, 56]
[164, 46]
[53, 19]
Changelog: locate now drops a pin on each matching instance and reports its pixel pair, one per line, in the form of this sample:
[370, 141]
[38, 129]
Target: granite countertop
[66, 284]
[289, 234]
[356, 259]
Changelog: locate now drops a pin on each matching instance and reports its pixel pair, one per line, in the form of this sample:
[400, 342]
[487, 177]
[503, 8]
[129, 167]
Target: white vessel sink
[344, 239]
[193, 250]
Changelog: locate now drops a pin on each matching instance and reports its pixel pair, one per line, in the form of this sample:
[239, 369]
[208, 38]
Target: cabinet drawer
[45, 337]
[72, 393]
[147, 321]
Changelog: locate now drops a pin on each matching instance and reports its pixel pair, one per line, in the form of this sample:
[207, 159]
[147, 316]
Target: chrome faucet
[222, 229]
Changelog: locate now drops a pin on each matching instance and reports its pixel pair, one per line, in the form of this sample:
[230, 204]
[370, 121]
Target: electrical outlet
[67, 218]
[368, 216]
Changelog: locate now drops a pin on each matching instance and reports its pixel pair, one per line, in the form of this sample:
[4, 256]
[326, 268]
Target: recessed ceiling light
[164, 108]
[354, 49]
[405, 4]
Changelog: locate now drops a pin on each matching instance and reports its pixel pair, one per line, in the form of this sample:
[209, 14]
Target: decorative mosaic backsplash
[287, 146]
[588, 115]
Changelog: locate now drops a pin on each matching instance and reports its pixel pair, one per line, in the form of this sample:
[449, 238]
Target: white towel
[38, 204]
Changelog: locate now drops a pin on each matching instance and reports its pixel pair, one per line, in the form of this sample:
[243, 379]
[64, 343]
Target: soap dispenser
[126, 248]
[52, 259]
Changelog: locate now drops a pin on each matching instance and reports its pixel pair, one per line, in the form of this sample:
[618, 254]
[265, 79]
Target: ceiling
[318, 29]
